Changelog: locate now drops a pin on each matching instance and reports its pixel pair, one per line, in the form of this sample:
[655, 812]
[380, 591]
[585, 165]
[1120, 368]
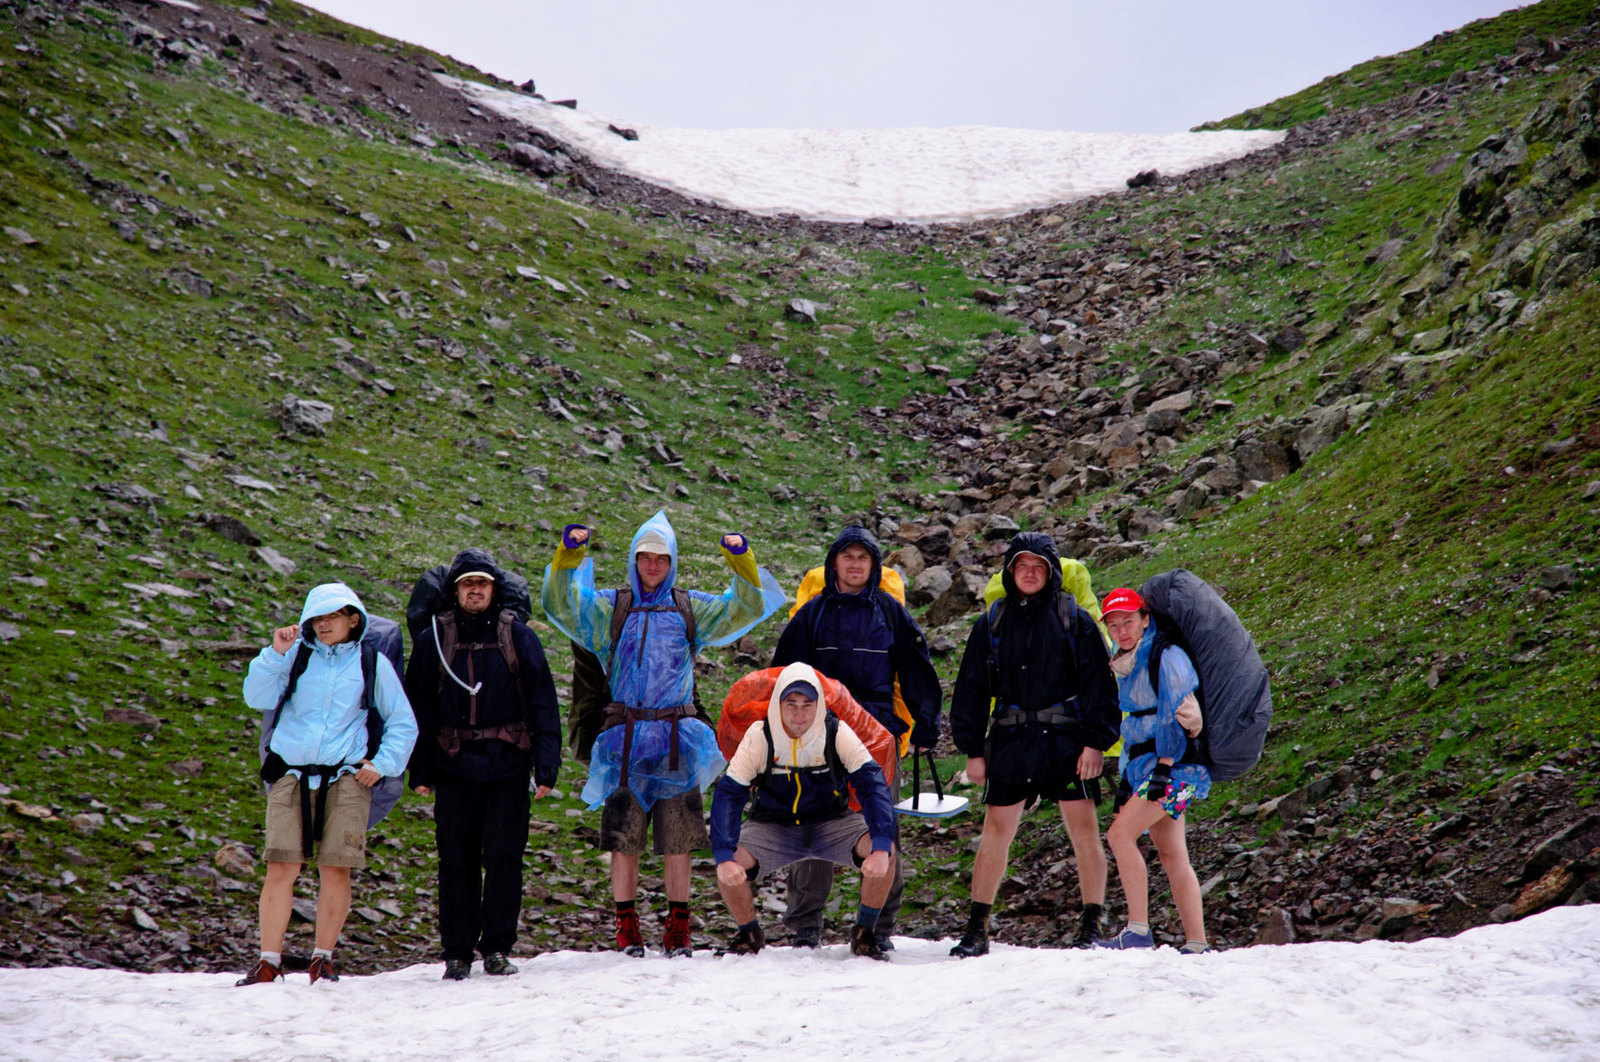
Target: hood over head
[1040, 545]
[650, 537]
[787, 677]
[475, 559]
[854, 535]
[326, 598]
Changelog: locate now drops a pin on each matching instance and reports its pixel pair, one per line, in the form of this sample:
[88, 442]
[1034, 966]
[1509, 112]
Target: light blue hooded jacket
[654, 667]
[324, 722]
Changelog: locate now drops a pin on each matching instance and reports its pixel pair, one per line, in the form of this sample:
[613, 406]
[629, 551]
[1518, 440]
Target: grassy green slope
[258, 257]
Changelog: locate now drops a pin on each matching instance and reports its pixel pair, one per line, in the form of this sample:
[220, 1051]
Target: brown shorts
[344, 826]
[679, 824]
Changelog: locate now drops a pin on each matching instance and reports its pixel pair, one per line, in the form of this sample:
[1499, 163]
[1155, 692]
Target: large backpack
[747, 702]
[591, 686]
[1235, 696]
[381, 636]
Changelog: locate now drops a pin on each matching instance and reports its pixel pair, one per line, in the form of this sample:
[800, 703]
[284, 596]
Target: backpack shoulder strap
[619, 613]
[297, 667]
[508, 648]
[1158, 645]
[680, 598]
[830, 748]
[444, 635]
[369, 697]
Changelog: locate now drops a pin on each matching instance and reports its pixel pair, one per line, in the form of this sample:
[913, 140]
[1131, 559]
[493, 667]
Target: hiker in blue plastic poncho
[1158, 784]
[657, 751]
[321, 765]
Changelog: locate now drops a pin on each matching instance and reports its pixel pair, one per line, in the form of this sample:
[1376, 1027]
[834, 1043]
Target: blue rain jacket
[324, 722]
[654, 665]
[1178, 680]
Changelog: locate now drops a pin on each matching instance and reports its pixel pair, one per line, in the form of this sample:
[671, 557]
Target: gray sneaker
[495, 964]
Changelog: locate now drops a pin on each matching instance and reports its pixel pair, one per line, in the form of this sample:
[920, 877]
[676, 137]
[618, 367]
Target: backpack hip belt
[619, 714]
[313, 809]
[514, 733]
[1055, 715]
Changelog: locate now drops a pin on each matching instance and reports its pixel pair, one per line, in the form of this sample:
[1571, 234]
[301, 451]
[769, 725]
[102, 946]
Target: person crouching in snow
[1157, 785]
[795, 766]
[657, 751]
[320, 766]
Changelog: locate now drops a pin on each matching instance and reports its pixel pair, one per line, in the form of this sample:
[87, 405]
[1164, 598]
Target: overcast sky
[1113, 66]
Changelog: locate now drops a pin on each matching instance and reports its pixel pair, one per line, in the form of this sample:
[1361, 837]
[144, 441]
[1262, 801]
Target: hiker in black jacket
[483, 729]
[858, 634]
[1034, 708]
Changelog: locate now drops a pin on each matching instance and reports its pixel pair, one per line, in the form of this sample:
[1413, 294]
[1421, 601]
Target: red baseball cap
[1122, 600]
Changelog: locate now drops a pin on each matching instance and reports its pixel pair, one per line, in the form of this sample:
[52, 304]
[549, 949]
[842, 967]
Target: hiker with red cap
[1158, 780]
[1034, 709]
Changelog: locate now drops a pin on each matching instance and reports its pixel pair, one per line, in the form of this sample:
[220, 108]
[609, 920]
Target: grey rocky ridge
[1351, 379]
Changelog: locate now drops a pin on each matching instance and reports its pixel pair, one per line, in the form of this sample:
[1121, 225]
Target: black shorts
[1004, 794]
[1027, 763]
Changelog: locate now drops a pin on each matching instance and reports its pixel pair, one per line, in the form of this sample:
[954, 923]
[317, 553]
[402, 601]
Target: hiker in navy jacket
[484, 729]
[858, 634]
[1035, 708]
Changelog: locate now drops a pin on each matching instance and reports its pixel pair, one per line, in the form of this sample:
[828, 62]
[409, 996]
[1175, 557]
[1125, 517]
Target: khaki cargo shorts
[344, 824]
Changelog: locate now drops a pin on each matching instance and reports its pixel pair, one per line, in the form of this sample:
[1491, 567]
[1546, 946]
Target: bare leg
[741, 904]
[676, 875]
[1083, 830]
[1173, 847]
[277, 901]
[1136, 816]
[624, 876]
[333, 904]
[874, 887]
[994, 848]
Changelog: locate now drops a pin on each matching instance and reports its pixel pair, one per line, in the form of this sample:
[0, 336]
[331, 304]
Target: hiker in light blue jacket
[314, 681]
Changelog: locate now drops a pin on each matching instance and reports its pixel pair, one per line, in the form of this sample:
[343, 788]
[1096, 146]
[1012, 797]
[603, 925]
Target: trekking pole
[933, 769]
[916, 780]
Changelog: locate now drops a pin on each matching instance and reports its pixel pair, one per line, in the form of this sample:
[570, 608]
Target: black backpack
[1235, 695]
[382, 635]
[591, 685]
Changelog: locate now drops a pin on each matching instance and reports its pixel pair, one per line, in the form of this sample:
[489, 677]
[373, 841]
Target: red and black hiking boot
[321, 969]
[629, 939]
[676, 939]
[263, 972]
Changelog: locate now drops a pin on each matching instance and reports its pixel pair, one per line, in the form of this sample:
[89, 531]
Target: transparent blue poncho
[654, 666]
[1178, 680]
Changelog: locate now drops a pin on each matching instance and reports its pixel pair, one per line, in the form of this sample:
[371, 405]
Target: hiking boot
[748, 941]
[808, 937]
[495, 964]
[885, 938]
[456, 970]
[676, 940]
[863, 941]
[629, 939]
[263, 972]
[1090, 927]
[974, 942]
[1127, 940]
[321, 969]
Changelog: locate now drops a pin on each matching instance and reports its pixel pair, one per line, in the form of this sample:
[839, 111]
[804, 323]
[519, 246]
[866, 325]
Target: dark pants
[481, 829]
[810, 881]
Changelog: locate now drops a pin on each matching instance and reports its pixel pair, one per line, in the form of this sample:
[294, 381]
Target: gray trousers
[811, 880]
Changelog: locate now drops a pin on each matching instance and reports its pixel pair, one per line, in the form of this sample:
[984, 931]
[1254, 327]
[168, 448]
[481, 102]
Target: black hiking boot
[456, 970]
[748, 942]
[322, 969]
[263, 972]
[1091, 927]
[807, 937]
[495, 964]
[863, 941]
[974, 942]
[885, 938]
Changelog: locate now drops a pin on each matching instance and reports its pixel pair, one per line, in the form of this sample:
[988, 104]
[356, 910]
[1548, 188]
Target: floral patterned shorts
[1177, 798]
